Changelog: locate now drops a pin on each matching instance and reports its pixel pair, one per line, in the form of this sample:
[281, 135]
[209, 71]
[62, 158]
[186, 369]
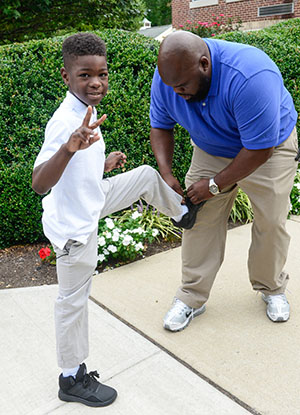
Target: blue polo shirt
[247, 104]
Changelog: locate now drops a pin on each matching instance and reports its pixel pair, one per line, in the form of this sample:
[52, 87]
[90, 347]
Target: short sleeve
[56, 134]
[257, 110]
[159, 117]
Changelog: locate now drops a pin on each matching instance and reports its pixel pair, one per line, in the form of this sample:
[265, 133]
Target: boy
[71, 163]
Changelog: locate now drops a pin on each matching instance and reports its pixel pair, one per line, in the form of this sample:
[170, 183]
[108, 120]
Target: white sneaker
[278, 308]
[180, 315]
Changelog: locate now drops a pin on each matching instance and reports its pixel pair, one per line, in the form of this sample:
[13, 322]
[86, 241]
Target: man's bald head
[184, 59]
[180, 50]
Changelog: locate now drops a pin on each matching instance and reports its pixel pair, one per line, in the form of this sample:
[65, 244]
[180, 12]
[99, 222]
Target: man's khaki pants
[268, 189]
[76, 262]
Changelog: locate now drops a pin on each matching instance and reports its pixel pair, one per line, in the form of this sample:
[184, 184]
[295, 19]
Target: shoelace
[277, 300]
[89, 378]
[179, 307]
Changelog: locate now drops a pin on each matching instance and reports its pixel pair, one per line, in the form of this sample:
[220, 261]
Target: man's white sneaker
[278, 308]
[180, 315]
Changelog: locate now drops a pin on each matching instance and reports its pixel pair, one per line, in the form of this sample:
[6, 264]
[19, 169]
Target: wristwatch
[213, 187]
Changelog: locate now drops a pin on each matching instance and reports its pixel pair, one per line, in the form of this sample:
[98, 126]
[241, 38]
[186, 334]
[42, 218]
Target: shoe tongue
[81, 372]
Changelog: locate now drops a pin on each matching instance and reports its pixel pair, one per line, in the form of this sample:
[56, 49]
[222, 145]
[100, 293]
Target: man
[231, 99]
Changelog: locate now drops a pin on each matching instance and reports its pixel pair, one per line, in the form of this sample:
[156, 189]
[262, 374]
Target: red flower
[44, 252]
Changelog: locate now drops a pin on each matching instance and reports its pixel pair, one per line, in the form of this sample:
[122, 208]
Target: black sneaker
[187, 221]
[85, 389]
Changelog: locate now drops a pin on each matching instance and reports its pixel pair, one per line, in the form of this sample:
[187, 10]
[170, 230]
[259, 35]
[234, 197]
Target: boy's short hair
[82, 44]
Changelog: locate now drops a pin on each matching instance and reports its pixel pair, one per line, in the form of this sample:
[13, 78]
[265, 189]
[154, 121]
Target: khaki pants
[76, 262]
[268, 189]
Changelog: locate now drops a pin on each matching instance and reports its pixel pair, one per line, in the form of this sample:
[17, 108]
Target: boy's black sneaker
[188, 220]
[85, 389]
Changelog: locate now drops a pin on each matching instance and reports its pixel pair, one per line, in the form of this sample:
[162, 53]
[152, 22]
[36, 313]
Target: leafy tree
[24, 20]
[159, 12]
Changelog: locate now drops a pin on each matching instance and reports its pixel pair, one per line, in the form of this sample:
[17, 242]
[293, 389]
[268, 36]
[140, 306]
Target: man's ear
[65, 76]
[204, 63]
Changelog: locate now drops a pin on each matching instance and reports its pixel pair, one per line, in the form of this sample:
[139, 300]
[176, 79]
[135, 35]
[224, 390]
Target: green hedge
[31, 89]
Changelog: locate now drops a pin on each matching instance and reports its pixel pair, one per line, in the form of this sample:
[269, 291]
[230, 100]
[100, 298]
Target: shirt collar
[77, 105]
[215, 67]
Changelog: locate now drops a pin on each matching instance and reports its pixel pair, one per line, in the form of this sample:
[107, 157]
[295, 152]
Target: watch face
[214, 188]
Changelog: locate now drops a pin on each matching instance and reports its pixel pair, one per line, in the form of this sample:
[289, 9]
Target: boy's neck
[79, 99]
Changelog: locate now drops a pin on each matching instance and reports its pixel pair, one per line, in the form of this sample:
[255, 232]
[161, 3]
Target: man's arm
[162, 143]
[245, 163]
[47, 174]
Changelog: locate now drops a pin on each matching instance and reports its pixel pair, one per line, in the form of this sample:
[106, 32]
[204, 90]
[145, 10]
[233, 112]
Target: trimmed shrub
[31, 89]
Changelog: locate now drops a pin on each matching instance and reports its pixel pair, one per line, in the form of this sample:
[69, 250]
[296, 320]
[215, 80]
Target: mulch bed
[21, 266]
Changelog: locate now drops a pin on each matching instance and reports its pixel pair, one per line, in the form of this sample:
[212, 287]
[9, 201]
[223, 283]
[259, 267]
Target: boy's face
[87, 78]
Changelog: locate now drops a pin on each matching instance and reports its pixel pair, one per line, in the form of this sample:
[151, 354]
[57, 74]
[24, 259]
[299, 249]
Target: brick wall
[246, 10]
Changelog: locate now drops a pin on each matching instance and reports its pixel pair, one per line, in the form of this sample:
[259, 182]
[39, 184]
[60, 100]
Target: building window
[202, 3]
[278, 9]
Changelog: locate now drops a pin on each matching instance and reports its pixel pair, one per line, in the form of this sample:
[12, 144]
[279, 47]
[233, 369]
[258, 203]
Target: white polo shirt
[73, 206]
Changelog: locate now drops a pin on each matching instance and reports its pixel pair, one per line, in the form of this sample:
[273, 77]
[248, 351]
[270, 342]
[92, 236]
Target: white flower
[139, 247]
[127, 240]
[101, 241]
[112, 248]
[116, 236]
[109, 223]
[126, 232]
[155, 232]
[101, 257]
[297, 185]
[138, 230]
[107, 235]
[136, 215]
[96, 272]
[106, 252]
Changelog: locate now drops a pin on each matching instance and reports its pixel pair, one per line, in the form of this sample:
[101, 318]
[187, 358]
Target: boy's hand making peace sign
[47, 174]
[84, 136]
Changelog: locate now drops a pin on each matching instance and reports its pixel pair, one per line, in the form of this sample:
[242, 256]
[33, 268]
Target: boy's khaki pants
[268, 189]
[76, 262]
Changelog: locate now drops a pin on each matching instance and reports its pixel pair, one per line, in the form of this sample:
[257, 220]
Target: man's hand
[173, 183]
[84, 136]
[198, 191]
[114, 160]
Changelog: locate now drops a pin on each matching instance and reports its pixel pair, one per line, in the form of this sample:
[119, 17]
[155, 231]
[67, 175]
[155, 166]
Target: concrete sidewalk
[233, 344]
[148, 380]
[230, 361]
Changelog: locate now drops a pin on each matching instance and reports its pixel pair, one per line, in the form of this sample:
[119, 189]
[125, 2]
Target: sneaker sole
[278, 319]
[71, 398]
[187, 321]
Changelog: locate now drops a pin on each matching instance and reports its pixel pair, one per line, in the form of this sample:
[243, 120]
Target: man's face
[190, 81]
[87, 78]
[195, 89]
